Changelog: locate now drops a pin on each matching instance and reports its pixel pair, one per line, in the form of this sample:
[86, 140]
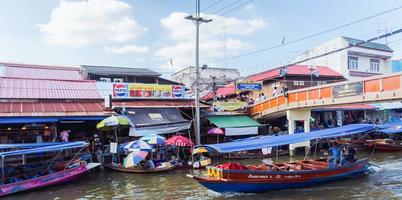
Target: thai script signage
[137, 90]
[248, 86]
[229, 106]
[351, 89]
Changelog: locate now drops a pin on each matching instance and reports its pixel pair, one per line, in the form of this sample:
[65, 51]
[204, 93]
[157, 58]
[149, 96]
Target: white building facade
[208, 77]
[359, 61]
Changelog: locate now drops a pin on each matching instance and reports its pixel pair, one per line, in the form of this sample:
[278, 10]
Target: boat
[120, 168]
[44, 175]
[234, 177]
[388, 145]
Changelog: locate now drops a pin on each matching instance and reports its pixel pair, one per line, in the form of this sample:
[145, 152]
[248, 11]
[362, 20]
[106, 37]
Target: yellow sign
[228, 106]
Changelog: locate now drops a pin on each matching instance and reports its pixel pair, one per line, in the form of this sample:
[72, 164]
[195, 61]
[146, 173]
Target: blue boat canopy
[28, 145]
[44, 149]
[273, 141]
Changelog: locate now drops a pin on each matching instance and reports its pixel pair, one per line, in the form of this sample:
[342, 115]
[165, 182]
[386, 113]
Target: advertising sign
[228, 106]
[351, 89]
[137, 90]
[248, 86]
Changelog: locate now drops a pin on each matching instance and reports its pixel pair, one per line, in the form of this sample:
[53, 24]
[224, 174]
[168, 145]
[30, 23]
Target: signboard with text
[228, 106]
[345, 90]
[248, 86]
[138, 90]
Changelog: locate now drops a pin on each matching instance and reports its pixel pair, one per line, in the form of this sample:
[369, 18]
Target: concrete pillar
[298, 115]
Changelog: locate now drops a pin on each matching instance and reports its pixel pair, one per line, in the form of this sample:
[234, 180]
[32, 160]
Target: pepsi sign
[120, 90]
[177, 91]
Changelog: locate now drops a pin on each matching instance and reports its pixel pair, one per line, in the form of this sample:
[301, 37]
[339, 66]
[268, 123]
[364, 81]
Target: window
[374, 65]
[298, 83]
[321, 82]
[275, 84]
[353, 63]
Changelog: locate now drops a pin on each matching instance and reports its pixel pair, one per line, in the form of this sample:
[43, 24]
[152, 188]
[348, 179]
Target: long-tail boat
[44, 175]
[234, 177]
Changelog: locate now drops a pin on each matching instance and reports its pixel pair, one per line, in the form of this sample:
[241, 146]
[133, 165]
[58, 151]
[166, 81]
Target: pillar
[298, 115]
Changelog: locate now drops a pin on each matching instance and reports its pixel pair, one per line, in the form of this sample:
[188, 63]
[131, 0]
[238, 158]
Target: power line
[212, 5]
[227, 6]
[310, 36]
[241, 5]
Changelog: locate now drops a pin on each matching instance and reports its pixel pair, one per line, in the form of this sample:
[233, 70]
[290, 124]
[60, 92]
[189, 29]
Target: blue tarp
[27, 120]
[28, 145]
[392, 130]
[264, 142]
[83, 118]
[44, 149]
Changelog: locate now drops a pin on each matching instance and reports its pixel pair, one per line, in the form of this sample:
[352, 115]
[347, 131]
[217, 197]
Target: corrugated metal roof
[109, 70]
[17, 88]
[41, 71]
[371, 45]
[53, 109]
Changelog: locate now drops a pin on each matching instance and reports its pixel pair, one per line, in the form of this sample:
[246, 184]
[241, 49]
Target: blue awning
[49, 148]
[273, 141]
[26, 120]
[83, 118]
[28, 145]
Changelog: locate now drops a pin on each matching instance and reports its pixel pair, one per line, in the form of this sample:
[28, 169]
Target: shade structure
[274, 141]
[179, 141]
[113, 121]
[216, 131]
[46, 148]
[134, 158]
[200, 150]
[137, 145]
[152, 138]
[233, 121]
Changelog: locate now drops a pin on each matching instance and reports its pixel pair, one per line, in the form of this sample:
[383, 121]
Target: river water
[385, 184]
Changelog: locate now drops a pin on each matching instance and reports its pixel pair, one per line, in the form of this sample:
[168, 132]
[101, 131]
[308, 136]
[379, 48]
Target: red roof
[224, 91]
[41, 72]
[295, 70]
[17, 88]
[52, 109]
[158, 103]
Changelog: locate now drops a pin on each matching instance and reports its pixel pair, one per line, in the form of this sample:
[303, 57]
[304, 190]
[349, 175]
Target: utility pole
[197, 21]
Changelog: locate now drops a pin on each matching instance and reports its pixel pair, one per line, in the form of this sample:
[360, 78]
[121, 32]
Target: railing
[376, 88]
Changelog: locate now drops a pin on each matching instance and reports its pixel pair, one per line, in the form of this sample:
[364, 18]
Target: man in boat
[335, 151]
[349, 154]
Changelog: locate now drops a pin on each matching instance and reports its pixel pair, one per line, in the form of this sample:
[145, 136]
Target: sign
[351, 89]
[137, 90]
[248, 86]
[228, 106]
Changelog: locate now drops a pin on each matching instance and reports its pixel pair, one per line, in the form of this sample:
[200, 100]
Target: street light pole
[197, 20]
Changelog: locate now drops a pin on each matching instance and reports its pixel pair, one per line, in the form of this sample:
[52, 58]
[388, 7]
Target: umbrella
[179, 141]
[216, 131]
[113, 121]
[200, 150]
[152, 138]
[134, 158]
[137, 145]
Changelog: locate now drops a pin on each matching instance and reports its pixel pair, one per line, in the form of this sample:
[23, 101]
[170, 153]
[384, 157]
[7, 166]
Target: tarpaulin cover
[388, 105]
[43, 149]
[264, 142]
[233, 121]
[161, 120]
[241, 131]
[25, 120]
[28, 145]
[391, 130]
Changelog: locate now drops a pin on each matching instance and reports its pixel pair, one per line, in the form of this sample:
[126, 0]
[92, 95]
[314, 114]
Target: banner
[228, 106]
[351, 89]
[138, 90]
[248, 86]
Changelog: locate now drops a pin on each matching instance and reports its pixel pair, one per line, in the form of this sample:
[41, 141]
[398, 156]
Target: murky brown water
[385, 184]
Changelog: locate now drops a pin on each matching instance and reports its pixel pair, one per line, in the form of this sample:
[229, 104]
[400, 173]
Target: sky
[154, 34]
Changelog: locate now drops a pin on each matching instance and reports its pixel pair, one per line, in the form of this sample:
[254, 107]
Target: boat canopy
[28, 145]
[273, 141]
[44, 149]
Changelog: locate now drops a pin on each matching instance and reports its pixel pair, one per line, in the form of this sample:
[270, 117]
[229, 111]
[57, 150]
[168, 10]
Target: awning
[233, 121]
[27, 120]
[160, 120]
[48, 148]
[388, 105]
[167, 103]
[273, 141]
[348, 107]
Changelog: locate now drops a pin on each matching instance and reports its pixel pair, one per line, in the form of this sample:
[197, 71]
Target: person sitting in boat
[335, 154]
[149, 163]
[349, 154]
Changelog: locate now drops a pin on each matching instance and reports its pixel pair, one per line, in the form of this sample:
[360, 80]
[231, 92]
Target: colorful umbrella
[134, 158]
[137, 145]
[179, 141]
[152, 138]
[200, 150]
[113, 121]
[216, 131]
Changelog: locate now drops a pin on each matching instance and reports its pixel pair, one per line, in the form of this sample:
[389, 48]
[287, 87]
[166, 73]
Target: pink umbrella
[179, 141]
[216, 131]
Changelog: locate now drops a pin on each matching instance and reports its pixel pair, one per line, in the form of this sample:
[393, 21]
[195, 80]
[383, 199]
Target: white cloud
[212, 45]
[125, 49]
[81, 23]
[249, 7]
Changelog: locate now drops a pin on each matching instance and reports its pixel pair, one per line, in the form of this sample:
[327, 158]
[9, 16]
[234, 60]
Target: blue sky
[149, 33]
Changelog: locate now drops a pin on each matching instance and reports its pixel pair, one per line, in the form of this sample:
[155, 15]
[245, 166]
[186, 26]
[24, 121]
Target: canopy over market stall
[157, 120]
[235, 124]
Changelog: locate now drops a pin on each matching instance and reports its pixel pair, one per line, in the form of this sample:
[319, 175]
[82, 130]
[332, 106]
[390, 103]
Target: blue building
[397, 65]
